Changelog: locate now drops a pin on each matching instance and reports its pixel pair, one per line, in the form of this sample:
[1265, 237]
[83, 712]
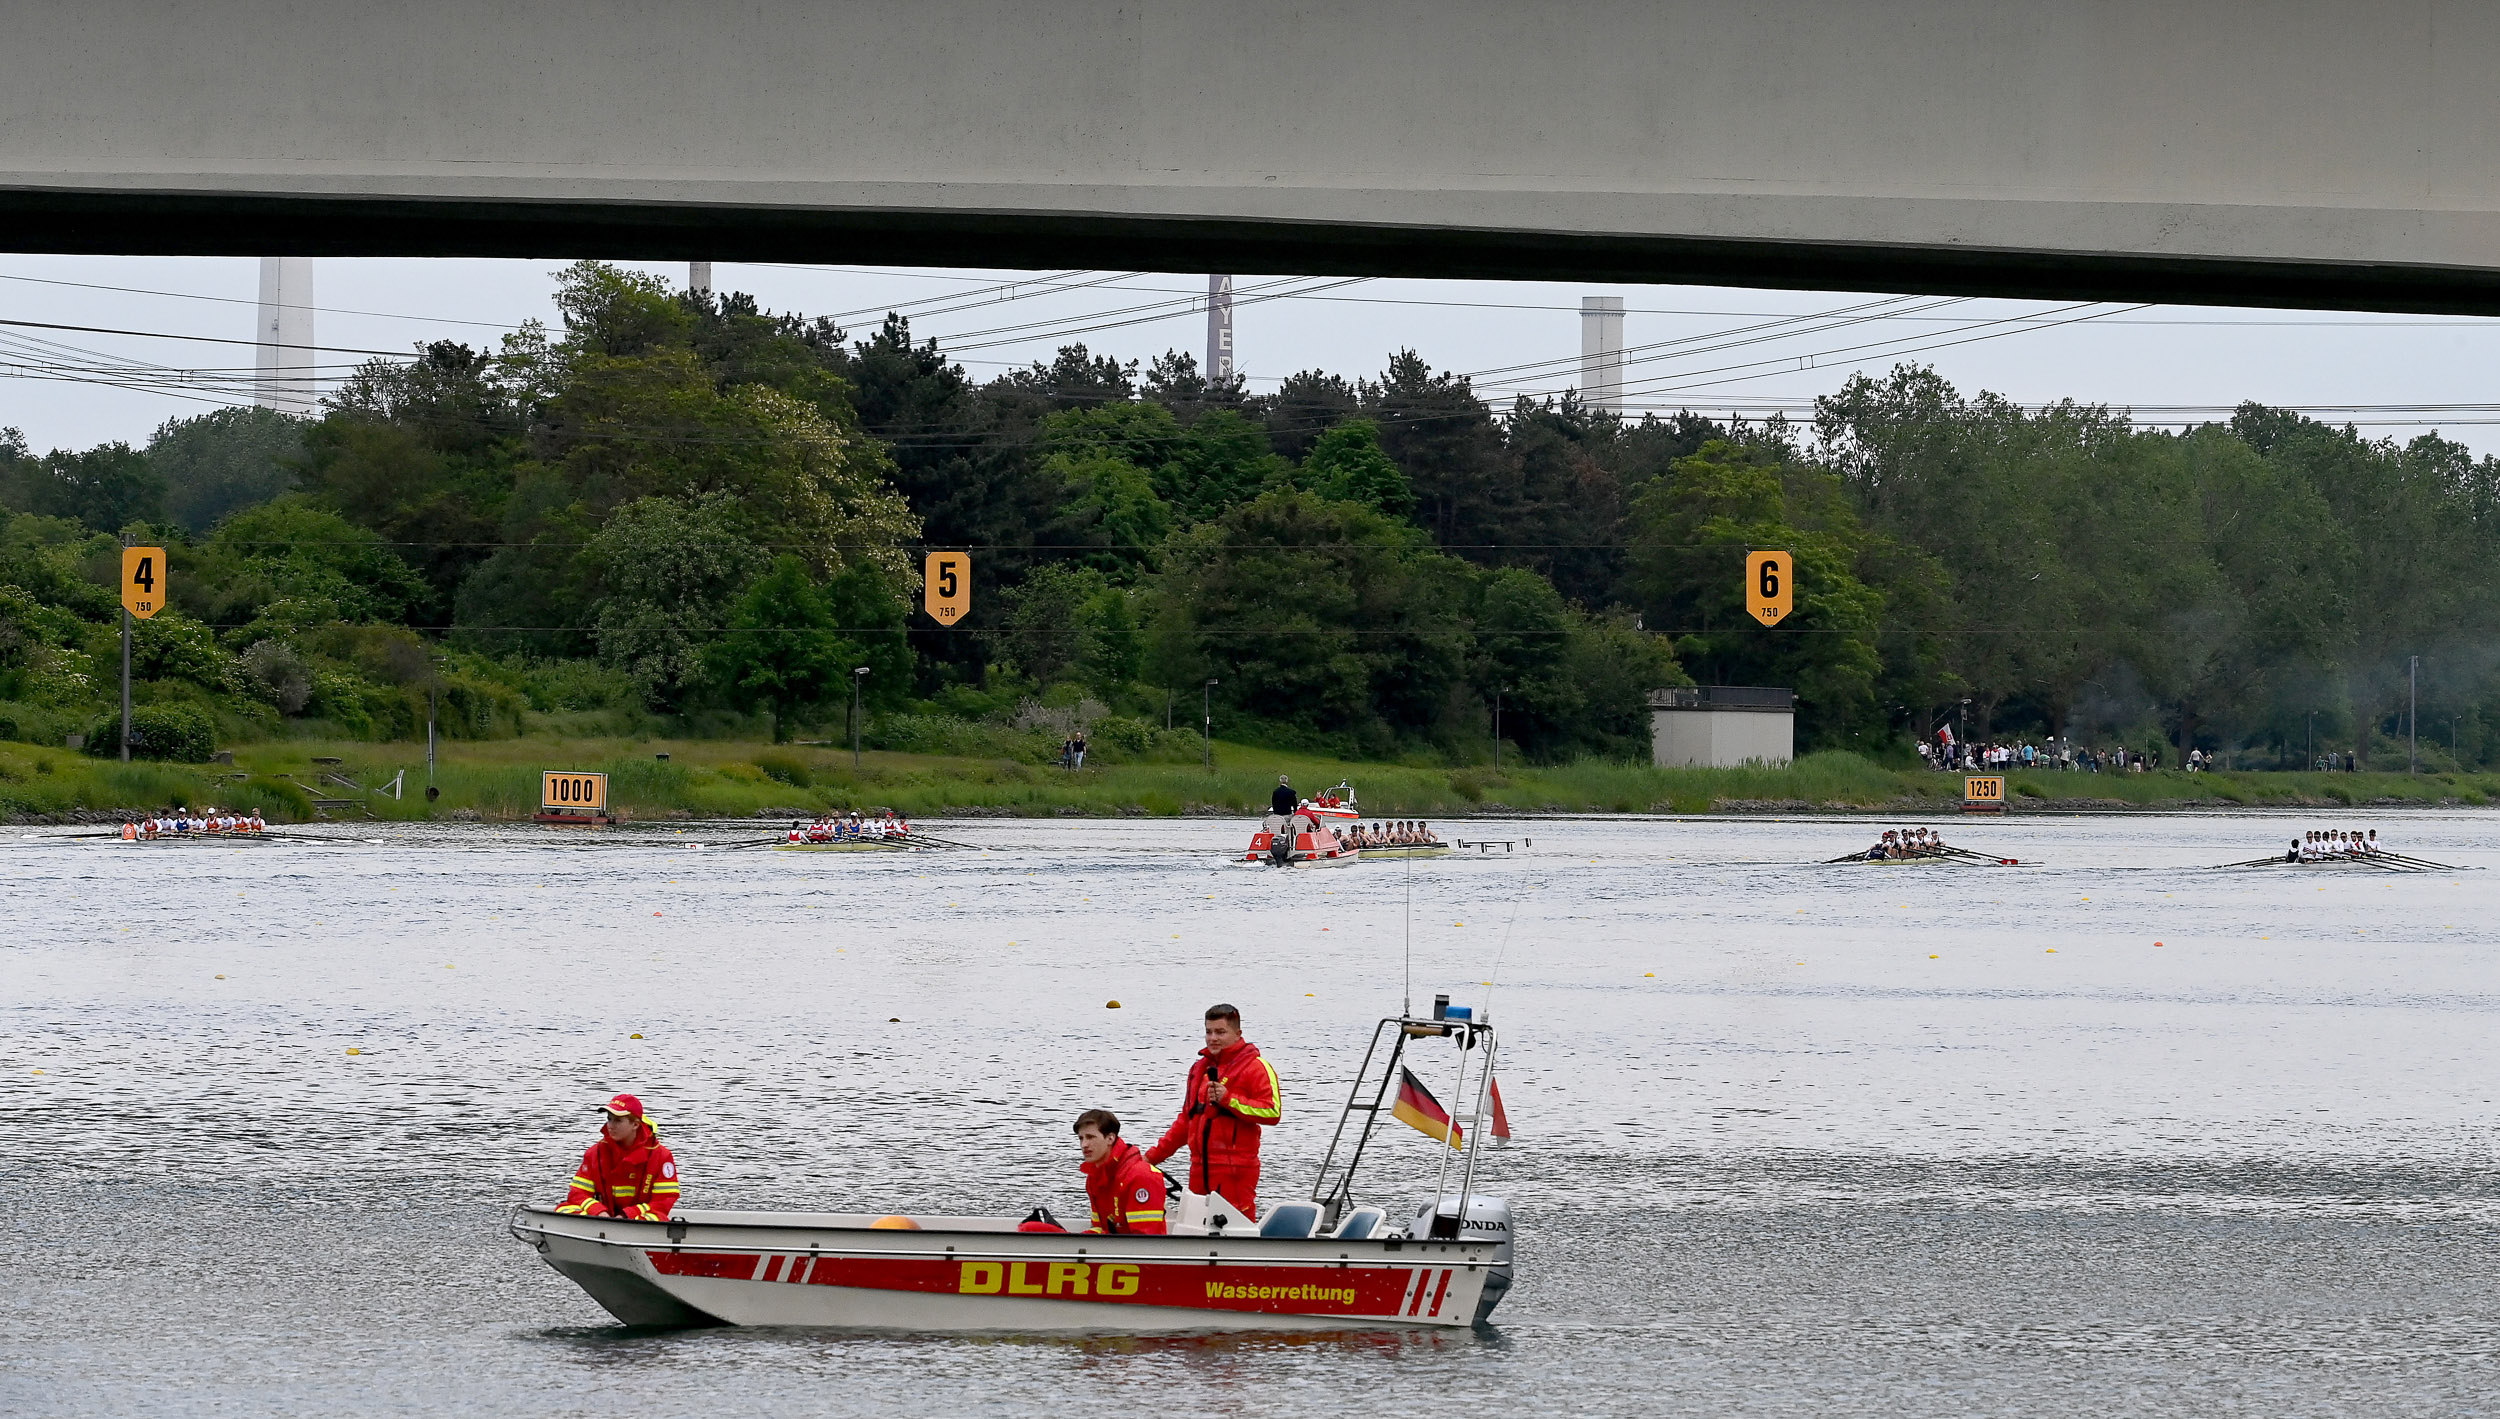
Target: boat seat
[1359, 1224]
[1291, 1220]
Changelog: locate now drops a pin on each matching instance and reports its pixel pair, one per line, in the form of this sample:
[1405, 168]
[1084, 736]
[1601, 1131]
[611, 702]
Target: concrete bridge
[2321, 154]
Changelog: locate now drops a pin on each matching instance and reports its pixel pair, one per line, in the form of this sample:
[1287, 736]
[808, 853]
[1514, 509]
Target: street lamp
[1497, 729]
[2313, 741]
[1206, 699]
[2413, 702]
[857, 675]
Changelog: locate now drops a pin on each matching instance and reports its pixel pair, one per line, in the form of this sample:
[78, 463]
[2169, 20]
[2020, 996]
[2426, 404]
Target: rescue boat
[1316, 1264]
[1335, 807]
[1299, 840]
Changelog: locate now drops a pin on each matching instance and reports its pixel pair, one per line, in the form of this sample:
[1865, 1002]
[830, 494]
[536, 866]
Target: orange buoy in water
[894, 1223]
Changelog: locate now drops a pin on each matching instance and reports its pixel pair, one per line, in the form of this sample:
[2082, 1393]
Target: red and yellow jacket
[1227, 1132]
[1127, 1194]
[637, 1182]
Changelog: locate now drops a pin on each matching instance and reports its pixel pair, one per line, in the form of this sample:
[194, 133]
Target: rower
[796, 833]
[1126, 1193]
[628, 1173]
[2371, 848]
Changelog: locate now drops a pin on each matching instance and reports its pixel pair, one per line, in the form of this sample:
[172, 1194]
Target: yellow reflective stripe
[1145, 1216]
[659, 1188]
[1275, 1090]
[583, 1182]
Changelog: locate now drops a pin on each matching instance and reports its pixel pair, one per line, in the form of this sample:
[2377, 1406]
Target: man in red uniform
[1231, 1095]
[1127, 1195]
[629, 1172]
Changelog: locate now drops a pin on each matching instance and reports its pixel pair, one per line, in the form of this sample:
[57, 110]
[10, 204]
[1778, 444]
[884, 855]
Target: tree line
[683, 507]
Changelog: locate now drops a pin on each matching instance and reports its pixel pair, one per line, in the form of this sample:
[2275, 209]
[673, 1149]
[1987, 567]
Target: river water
[2115, 1134]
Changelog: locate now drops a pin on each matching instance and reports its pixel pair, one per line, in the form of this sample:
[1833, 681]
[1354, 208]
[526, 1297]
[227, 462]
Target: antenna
[1406, 986]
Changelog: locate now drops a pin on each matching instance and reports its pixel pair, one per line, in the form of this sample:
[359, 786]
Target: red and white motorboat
[1336, 807]
[1317, 1264]
[1300, 839]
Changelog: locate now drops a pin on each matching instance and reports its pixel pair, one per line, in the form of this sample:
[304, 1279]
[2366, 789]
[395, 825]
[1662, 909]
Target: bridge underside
[2322, 155]
[255, 224]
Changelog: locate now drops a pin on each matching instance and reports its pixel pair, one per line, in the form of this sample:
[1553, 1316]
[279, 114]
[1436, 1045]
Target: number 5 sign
[1768, 593]
[946, 586]
[143, 581]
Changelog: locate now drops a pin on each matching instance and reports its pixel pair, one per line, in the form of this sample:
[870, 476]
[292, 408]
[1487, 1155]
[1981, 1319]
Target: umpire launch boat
[1299, 839]
[1323, 1263]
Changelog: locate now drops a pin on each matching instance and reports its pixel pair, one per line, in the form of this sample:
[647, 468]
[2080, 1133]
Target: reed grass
[499, 780]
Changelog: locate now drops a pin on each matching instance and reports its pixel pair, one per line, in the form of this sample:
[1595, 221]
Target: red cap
[625, 1104]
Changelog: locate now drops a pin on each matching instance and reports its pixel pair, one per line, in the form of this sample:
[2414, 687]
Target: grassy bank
[498, 780]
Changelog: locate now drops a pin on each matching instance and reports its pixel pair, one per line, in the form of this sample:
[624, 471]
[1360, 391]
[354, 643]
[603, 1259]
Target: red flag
[1501, 1118]
[1418, 1110]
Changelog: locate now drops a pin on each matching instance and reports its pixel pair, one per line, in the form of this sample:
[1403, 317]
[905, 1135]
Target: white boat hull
[978, 1274]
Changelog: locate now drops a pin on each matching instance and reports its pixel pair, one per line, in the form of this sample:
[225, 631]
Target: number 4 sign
[143, 581]
[1768, 589]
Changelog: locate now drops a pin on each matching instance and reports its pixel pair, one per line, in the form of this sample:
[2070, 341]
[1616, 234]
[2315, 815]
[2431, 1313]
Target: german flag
[1418, 1110]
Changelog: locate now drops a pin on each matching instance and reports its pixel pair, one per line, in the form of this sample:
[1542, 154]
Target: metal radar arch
[1370, 1098]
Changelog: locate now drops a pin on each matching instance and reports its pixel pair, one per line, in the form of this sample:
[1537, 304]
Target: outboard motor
[1488, 1219]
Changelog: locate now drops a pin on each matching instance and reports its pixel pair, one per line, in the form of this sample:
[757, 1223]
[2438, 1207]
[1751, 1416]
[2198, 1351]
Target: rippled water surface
[2117, 1134]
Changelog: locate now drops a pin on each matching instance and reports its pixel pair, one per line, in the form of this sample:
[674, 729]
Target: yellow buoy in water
[633, 1037]
[351, 1049]
[1111, 1005]
[221, 978]
[894, 1223]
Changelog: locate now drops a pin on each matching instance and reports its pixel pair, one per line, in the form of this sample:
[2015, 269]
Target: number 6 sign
[1769, 589]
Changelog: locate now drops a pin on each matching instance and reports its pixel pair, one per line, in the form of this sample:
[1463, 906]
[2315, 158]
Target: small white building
[1722, 726]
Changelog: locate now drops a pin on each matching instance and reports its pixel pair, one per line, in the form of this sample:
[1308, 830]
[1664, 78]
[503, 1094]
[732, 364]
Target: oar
[917, 836]
[2422, 862]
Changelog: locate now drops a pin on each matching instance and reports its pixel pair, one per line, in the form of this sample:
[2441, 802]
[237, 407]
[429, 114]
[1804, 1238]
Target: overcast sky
[1714, 348]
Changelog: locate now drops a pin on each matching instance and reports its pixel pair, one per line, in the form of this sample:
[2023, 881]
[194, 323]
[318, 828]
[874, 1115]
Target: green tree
[1069, 620]
[782, 653]
[1219, 462]
[217, 462]
[107, 488]
[1347, 464]
[1324, 614]
[1690, 533]
[1111, 505]
[670, 571]
[290, 550]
